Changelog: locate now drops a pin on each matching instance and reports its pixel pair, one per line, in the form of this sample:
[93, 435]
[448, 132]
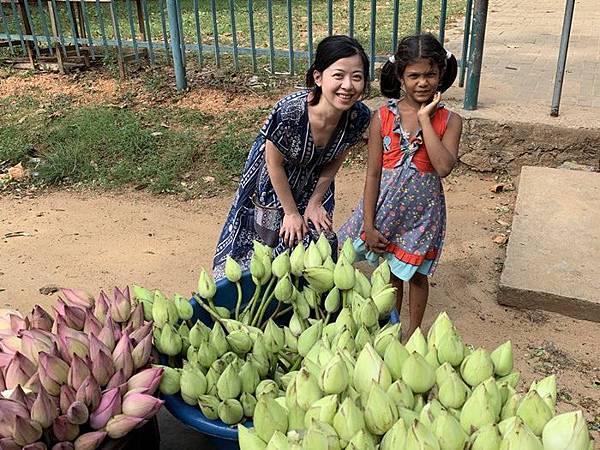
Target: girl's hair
[411, 49]
[328, 52]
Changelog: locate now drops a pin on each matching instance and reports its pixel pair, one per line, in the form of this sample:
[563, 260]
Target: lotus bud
[334, 376]
[370, 369]
[477, 367]
[122, 354]
[18, 371]
[267, 388]
[401, 395]
[257, 269]
[381, 412]
[64, 430]
[322, 410]
[378, 283]
[78, 413]
[510, 406]
[363, 337]
[66, 397]
[53, 372]
[417, 343]
[35, 446]
[121, 425]
[369, 314]
[193, 384]
[307, 388]
[450, 348]
[452, 391]
[502, 358]
[395, 355]
[281, 265]
[567, 431]
[142, 294]
[385, 336]
[231, 411]
[419, 436]
[101, 307]
[266, 262]
[209, 406]
[199, 334]
[428, 412]
[534, 412]
[44, 410]
[329, 264]
[147, 379]
[206, 285]
[296, 325]
[110, 405]
[546, 387]
[508, 424]
[319, 278]
[448, 432]
[343, 275]
[512, 379]
[26, 431]
[477, 411]
[332, 301]
[141, 405]
[249, 440]
[170, 381]
[170, 342]
[160, 310]
[229, 384]
[233, 271]
[348, 251]
[323, 246]
[274, 337]
[417, 373]
[309, 337]
[78, 372]
[486, 438]
[239, 341]
[312, 256]
[141, 352]
[40, 319]
[217, 340]
[107, 336]
[284, 290]
[521, 438]
[120, 307]
[103, 368]
[90, 441]
[269, 417]
[65, 445]
[77, 297]
[206, 355]
[348, 420]
[248, 402]
[72, 316]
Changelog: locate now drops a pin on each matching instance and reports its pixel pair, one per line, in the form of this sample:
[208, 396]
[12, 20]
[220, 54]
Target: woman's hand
[376, 242]
[428, 109]
[293, 229]
[318, 216]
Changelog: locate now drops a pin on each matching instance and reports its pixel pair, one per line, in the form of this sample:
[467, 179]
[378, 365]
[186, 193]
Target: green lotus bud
[510, 406]
[206, 355]
[312, 256]
[448, 432]
[401, 394]
[417, 343]
[170, 342]
[477, 411]
[319, 278]
[193, 384]
[329, 264]
[332, 301]
[345, 319]
[395, 438]
[311, 297]
[248, 402]
[257, 269]
[284, 290]
[229, 384]
[452, 391]
[267, 388]
[378, 283]
[323, 246]
[269, 417]
[512, 379]
[307, 389]
[417, 373]
[217, 340]
[508, 424]
[346, 342]
[322, 410]
[419, 403]
[309, 337]
[363, 337]
[267, 264]
[185, 311]
[441, 325]
[348, 251]
[443, 372]
[567, 431]
[502, 358]
[521, 438]
[361, 441]
[362, 284]
[334, 376]
[450, 348]
[239, 341]
[477, 367]
[231, 411]
[274, 337]
[431, 358]
[249, 376]
[369, 314]
[314, 439]
[233, 271]
[385, 300]
[249, 440]
[343, 275]
[278, 442]
[486, 438]
[348, 420]
[493, 394]
[160, 312]
[206, 285]
[429, 412]
[534, 412]
[297, 260]
[408, 415]
[385, 336]
[199, 334]
[291, 341]
[419, 436]
[170, 381]
[370, 369]
[546, 387]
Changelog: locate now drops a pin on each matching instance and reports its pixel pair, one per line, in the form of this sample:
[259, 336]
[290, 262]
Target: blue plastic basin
[219, 434]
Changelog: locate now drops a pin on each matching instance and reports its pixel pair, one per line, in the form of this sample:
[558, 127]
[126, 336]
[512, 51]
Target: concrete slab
[553, 256]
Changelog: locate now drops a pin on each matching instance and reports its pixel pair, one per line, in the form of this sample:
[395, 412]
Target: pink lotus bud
[72, 342]
[110, 405]
[91, 326]
[118, 380]
[63, 446]
[148, 379]
[120, 307]
[138, 334]
[103, 368]
[97, 346]
[19, 371]
[73, 316]
[36, 446]
[107, 334]
[122, 355]
[137, 317]
[90, 441]
[40, 319]
[55, 367]
[121, 424]
[78, 413]
[64, 430]
[89, 392]
[9, 409]
[44, 410]
[141, 352]
[19, 395]
[67, 397]
[9, 444]
[26, 431]
[18, 323]
[141, 405]
[11, 343]
[33, 342]
[77, 297]
[4, 359]
[78, 372]
[101, 308]
[33, 384]
[2, 382]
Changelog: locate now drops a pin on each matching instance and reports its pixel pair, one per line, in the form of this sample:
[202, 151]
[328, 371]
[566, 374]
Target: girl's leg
[417, 300]
[399, 285]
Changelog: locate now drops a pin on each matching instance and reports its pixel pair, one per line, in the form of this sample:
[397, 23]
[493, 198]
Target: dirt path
[98, 241]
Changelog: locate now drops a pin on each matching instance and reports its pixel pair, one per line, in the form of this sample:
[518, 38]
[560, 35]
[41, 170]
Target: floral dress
[288, 128]
[411, 208]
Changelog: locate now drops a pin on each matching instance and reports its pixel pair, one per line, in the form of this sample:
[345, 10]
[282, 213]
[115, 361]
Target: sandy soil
[97, 241]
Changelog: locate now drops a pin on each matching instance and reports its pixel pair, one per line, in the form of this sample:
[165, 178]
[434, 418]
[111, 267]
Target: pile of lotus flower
[73, 378]
[374, 392]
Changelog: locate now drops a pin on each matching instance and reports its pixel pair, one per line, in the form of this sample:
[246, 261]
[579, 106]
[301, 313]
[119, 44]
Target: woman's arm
[293, 227]
[443, 153]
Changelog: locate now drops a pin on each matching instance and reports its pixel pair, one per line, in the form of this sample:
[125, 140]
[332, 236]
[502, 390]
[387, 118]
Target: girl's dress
[288, 128]
[411, 208]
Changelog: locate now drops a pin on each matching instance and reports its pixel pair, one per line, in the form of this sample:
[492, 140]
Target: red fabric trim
[404, 256]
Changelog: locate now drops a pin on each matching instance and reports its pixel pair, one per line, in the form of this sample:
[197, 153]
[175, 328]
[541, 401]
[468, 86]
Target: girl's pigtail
[449, 73]
[388, 80]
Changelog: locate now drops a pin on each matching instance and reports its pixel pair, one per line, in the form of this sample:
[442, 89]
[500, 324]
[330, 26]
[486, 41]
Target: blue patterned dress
[288, 128]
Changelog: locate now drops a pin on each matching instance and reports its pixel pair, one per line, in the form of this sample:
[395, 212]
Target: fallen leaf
[502, 222]
[208, 179]
[17, 172]
[501, 239]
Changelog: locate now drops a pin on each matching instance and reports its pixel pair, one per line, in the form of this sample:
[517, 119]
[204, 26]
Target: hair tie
[448, 54]
[392, 59]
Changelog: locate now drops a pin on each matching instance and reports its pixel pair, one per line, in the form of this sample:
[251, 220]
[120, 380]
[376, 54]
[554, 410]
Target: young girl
[287, 183]
[413, 144]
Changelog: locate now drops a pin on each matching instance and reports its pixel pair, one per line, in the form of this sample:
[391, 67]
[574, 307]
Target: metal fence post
[562, 57]
[180, 78]
[474, 76]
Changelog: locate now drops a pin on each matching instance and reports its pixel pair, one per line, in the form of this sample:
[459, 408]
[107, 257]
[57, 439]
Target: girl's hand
[376, 242]
[318, 216]
[427, 110]
[293, 229]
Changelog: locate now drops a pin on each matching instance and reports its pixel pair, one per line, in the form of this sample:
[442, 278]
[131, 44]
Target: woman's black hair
[328, 52]
[411, 49]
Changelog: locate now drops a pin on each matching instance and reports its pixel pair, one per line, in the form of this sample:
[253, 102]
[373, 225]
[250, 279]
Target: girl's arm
[375, 240]
[293, 227]
[443, 153]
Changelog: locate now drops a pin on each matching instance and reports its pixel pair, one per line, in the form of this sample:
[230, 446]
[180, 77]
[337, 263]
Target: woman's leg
[417, 300]
[399, 285]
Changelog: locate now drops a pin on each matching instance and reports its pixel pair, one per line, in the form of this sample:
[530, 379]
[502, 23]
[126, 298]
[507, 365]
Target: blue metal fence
[278, 35]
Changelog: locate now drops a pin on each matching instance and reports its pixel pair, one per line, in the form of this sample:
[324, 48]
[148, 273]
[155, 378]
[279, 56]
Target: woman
[287, 183]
